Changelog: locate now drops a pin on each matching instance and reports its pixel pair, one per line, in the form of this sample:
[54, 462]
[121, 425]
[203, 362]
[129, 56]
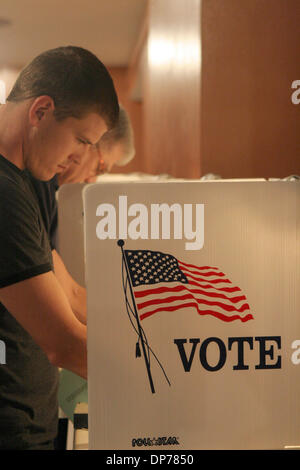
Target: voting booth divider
[193, 311]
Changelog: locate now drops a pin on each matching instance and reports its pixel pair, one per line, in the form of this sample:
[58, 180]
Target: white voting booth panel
[218, 358]
[70, 229]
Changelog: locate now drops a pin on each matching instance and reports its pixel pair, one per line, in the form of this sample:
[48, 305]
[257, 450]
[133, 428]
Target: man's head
[70, 103]
[116, 147]
[74, 78]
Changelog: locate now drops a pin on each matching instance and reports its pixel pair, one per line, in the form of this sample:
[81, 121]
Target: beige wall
[227, 108]
[172, 88]
[250, 57]
[8, 77]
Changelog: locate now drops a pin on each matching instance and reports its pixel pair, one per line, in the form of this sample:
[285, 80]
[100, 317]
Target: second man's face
[94, 163]
[79, 173]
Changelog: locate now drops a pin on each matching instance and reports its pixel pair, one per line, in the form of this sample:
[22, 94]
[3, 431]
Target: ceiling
[109, 28]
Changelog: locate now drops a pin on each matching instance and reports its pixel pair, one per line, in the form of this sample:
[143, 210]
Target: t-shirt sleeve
[24, 247]
[54, 214]
[45, 192]
[53, 227]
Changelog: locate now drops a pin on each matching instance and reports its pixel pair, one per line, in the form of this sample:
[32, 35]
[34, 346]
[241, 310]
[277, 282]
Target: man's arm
[75, 293]
[40, 305]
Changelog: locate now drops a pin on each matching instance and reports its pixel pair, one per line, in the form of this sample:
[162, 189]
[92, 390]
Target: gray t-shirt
[28, 382]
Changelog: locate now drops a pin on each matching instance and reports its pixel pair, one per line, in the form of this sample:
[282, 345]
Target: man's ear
[40, 108]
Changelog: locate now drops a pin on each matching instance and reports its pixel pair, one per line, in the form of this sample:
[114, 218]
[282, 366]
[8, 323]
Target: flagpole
[121, 244]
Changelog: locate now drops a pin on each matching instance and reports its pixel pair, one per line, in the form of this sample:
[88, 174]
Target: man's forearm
[78, 302]
[75, 293]
[73, 353]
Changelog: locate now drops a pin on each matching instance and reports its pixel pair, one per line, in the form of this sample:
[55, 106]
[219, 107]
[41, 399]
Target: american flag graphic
[162, 283]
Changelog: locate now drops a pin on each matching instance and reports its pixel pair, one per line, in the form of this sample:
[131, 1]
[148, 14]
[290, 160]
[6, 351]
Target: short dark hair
[74, 78]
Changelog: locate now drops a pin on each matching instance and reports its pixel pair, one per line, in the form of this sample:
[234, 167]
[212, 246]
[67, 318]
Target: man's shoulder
[10, 185]
[15, 198]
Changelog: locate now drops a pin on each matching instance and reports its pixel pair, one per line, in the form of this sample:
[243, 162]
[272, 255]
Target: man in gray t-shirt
[28, 381]
[60, 106]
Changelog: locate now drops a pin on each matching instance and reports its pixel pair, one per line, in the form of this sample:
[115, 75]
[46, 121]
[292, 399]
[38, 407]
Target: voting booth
[193, 311]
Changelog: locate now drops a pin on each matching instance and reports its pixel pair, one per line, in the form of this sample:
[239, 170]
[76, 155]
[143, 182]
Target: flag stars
[153, 267]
